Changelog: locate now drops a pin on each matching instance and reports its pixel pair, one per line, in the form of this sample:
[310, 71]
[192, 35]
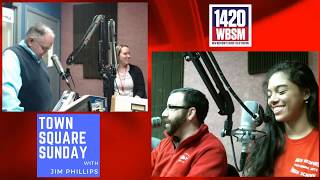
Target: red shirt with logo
[201, 154]
[300, 157]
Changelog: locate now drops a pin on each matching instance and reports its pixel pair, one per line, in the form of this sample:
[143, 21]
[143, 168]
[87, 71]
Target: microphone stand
[106, 69]
[92, 28]
[65, 78]
[223, 98]
[108, 72]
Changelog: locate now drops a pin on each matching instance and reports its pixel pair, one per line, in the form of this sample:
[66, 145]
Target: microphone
[156, 122]
[59, 67]
[247, 131]
[112, 43]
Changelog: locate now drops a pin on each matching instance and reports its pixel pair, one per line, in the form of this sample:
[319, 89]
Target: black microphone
[156, 122]
[59, 67]
[247, 131]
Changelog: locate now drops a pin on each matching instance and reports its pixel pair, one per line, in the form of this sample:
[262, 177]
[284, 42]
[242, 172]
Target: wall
[313, 63]
[83, 86]
[132, 30]
[52, 9]
[247, 87]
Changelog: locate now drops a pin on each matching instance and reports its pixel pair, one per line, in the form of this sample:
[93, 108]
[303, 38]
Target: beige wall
[132, 30]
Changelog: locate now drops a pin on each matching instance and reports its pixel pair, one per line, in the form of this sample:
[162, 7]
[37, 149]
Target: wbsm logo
[230, 25]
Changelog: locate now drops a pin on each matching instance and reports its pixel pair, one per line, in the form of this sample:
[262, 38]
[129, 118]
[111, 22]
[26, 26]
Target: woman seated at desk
[129, 79]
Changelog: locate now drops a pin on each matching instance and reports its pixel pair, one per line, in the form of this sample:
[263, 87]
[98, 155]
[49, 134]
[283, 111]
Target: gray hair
[38, 30]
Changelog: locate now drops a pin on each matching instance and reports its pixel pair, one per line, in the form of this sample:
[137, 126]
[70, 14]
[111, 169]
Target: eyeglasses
[177, 107]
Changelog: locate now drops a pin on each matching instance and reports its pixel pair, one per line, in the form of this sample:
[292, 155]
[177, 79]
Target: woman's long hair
[261, 161]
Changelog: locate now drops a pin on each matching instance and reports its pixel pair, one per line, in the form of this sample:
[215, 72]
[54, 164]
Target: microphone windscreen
[156, 121]
[247, 121]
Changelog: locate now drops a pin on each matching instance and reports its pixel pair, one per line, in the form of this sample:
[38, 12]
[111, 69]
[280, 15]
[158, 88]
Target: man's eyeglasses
[177, 107]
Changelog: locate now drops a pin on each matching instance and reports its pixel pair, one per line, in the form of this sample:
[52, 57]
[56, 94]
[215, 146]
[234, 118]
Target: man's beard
[173, 126]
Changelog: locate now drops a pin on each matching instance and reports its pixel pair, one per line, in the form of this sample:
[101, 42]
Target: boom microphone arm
[92, 28]
[221, 98]
[106, 67]
[108, 72]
